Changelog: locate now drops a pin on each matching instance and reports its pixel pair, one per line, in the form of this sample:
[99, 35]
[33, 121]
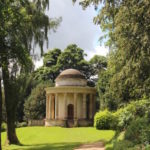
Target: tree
[127, 30]
[73, 57]
[22, 24]
[26, 84]
[55, 61]
[50, 58]
[0, 109]
[50, 70]
[98, 63]
[34, 107]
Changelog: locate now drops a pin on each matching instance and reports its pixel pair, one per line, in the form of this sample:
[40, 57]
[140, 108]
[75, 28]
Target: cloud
[77, 27]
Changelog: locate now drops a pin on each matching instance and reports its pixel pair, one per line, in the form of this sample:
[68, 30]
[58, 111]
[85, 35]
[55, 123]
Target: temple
[71, 102]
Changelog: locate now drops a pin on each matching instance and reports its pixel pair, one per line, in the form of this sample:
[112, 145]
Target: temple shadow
[49, 146]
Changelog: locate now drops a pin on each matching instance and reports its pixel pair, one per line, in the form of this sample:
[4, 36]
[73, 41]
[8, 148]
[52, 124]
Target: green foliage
[72, 57]
[102, 87]
[127, 35]
[138, 131]
[50, 58]
[98, 63]
[105, 120]
[23, 25]
[35, 105]
[131, 111]
[123, 145]
[3, 126]
[122, 118]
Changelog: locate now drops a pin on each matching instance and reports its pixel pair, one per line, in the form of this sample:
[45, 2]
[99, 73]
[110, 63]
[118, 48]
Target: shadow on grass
[49, 146]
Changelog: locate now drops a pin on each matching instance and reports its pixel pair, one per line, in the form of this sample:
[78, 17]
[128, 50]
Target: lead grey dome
[71, 77]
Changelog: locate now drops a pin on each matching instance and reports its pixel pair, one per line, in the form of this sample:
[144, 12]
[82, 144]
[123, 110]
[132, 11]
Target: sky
[77, 27]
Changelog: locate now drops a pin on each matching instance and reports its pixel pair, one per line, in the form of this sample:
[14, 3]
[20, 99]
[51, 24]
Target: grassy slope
[57, 138]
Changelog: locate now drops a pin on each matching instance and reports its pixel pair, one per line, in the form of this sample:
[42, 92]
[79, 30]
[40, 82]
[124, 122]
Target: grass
[57, 138]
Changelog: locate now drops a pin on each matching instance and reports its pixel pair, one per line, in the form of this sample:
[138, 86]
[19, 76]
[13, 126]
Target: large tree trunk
[9, 103]
[0, 112]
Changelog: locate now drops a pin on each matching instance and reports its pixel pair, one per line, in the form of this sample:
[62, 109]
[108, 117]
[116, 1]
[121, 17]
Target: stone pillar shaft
[75, 105]
[56, 106]
[94, 105]
[65, 105]
[84, 106]
[50, 111]
[47, 107]
[91, 106]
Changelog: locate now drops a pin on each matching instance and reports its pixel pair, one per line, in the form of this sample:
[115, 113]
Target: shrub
[138, 131]
[122, 145]
[122, 118]
[3, 126]
[21, 124]
[131, 111]
[105, 120]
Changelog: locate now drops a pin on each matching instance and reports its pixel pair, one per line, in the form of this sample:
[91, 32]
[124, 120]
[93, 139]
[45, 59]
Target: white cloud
[99, 50]
[77, 27]
[38, 63]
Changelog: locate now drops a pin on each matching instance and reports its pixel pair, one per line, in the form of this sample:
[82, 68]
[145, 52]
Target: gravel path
[92, 146]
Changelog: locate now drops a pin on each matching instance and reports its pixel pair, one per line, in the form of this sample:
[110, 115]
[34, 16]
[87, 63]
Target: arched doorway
[70, 111]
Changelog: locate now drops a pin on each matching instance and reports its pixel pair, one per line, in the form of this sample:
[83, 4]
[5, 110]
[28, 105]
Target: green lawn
[57, 138]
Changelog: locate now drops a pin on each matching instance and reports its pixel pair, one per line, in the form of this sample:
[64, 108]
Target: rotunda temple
[71, 102]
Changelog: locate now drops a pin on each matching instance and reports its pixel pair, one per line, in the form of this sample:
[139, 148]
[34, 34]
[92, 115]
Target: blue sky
[77, 27]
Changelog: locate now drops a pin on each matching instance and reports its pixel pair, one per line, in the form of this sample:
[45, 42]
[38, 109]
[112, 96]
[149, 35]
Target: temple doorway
[70, 111]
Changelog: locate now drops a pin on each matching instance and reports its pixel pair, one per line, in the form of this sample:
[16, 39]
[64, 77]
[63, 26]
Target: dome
[71, 77]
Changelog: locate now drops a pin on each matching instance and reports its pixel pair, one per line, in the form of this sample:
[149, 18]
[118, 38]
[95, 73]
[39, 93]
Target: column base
[69, 123]
[55, 122]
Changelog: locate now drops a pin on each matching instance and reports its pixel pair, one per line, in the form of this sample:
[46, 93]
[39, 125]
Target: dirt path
[92, 146]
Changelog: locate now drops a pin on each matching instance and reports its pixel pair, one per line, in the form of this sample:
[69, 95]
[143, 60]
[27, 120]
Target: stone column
[47, 106]
[50, 111]
[94, 105]
[75, 105]
[84, 106]
[56, 106]
[91, 106]
[65, 105]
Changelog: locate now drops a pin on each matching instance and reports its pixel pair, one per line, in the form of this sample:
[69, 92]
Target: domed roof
[71, 73]
[70, 77]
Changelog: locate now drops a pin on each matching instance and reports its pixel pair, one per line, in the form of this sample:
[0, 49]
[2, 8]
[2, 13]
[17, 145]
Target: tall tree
[22, 23]
[73, 57]
[127, 28]
[0, 108]
[98, 63]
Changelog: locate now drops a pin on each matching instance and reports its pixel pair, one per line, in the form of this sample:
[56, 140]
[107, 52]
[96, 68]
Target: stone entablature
[71, 89]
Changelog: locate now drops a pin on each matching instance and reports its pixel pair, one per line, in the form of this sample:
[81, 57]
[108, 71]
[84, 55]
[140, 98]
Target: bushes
[122, 118]
[122, 145]
[138, 131]
[105, 120]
